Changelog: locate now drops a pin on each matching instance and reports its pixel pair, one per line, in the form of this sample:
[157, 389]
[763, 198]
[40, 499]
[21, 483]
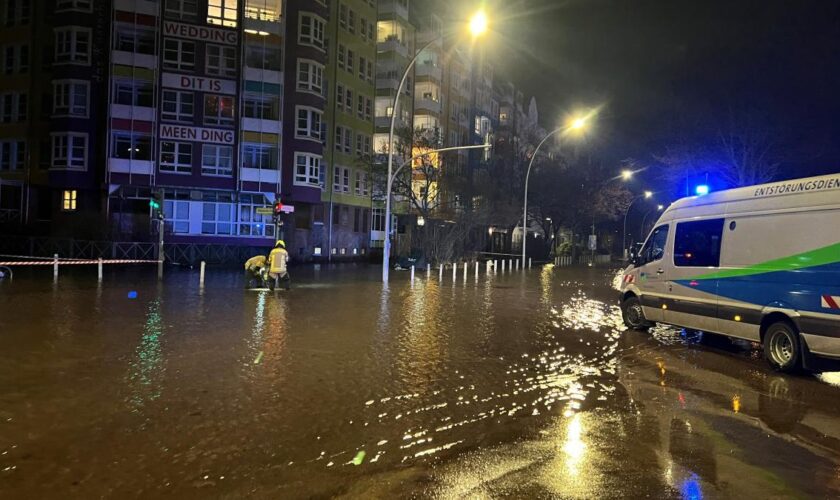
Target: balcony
[126, 112]
[387, 82]
[263, 75]
[427, 104]
[259, 175]
[147, 7]
[392, 44]
[429, 71]
[134, 167]
[134, 59]
[260, 125]
[392, 7]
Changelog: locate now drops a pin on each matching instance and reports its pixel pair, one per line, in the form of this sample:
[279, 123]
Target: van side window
[654, 249]
[697, 243]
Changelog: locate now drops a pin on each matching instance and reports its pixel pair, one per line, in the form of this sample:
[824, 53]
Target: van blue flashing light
[701, 190]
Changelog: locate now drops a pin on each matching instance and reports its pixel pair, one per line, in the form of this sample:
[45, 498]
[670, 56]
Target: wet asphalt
[518, 384]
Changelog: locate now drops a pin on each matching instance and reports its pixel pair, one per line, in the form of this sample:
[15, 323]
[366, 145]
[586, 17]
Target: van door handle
[661, 271]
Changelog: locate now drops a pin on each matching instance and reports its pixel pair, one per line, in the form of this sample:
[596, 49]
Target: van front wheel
[633, 315]
[782, 348]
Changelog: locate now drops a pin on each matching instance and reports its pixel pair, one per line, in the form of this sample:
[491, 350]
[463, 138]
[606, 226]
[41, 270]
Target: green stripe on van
[811, 258]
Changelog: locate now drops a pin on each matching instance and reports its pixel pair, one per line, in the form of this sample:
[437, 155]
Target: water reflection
[146, 370]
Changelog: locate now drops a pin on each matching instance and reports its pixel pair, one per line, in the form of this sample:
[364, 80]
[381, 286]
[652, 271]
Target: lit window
[222, 12]
[131, 146]
[176, 216]
[69, 200]
[264, 10]
[218, 110]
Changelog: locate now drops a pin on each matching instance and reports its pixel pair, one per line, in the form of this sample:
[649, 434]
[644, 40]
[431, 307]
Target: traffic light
[278, 208]
[156, 204]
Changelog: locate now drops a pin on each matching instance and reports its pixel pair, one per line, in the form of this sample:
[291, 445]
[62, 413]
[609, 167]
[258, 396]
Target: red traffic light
[278, 208]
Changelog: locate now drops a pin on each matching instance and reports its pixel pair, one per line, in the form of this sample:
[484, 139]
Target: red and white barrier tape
[75, 262]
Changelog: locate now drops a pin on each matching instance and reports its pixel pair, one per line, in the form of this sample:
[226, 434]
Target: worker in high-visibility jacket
[277, 260]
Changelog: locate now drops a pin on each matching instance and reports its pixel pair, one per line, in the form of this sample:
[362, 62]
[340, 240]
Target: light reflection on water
[147, 368]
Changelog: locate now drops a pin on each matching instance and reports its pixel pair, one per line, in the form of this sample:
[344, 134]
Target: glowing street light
[626, 174]
[646, 195]
[479, 23]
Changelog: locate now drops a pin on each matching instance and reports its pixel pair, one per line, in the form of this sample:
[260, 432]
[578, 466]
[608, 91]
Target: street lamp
[646, 195]
[389, 186]
[574, 124]
[478, 25]
[659, 208]
[626, 174]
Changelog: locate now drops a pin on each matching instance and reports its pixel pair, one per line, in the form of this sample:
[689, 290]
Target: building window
[367, 145]
[176, 157]
[217, 160]
[222, 12]
[261, 57]
[15, 59]
[217, 218]
[221, 60]
[176, 216]
[361, 187]
[310, 76]
[250, 222]
[307, 169]
[178, 54]
[339, 95]
[261, 156]
[377, 221]
[133, 93]
[362, 67]
[218, 110]
[351, 57]
[68, 200]
[13, 107]
[72, 45]
[351, 21]
[360, 107]
[69, 150]
[131, 146]
[341, 180]
[343, 139]
[261, 106]
[264, 10]
[308, 123]
[12, 155]
[348, 101]
[70, 98]
[178, 106]
[181, 9]
[311, 30]
[342, 56]
[130, 38]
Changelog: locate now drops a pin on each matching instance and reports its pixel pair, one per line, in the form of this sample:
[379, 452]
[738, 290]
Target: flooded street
[521, 384]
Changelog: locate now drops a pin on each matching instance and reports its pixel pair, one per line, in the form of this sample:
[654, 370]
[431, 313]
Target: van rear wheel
[782, 348]
[634, 315]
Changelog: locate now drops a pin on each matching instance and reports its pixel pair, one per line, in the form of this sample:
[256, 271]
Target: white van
[760, 263]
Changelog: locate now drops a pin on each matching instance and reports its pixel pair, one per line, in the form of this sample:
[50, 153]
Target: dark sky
[661, 66]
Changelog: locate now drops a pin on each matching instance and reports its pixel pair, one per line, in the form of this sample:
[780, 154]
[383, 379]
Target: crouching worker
[255, 272]
[277, 271]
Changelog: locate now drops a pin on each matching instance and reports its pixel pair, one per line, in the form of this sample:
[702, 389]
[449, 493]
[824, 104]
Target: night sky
[661, 68]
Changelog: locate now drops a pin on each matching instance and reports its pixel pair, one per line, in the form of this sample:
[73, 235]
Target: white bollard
[476, 269]
[466, 267]
[440, 274]
[55, 266]
[412, 274]
[495, 266]
[529, 262]
[503, 265]
[428, 270]
[99, 269]
[488, 266]
[516, 264]
[201, 274]
[454, 271]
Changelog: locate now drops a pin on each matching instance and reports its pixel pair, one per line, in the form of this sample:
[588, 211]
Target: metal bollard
[428, 270]
[201, 274]
[454, 271]
[516, 264]
[529, 262]
[495, 266]
[99, 269]
[55, 266]
[440, 277]
[488, 266]
[412, 274]
[503, 265]
[476, 269]
[466, 267]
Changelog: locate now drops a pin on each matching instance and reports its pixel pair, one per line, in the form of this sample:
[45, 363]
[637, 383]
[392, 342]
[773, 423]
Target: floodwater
[520, 384]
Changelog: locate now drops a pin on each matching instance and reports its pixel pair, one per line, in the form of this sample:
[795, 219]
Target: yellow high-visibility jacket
[277, 260]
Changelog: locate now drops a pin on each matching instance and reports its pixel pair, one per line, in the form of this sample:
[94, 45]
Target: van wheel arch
[628, 295]
[782, 326]
[776, 317]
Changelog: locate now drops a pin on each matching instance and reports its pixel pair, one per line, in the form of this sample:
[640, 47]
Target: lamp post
[645, 195]
[478, 25]
[575, 124]
[390, 184]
